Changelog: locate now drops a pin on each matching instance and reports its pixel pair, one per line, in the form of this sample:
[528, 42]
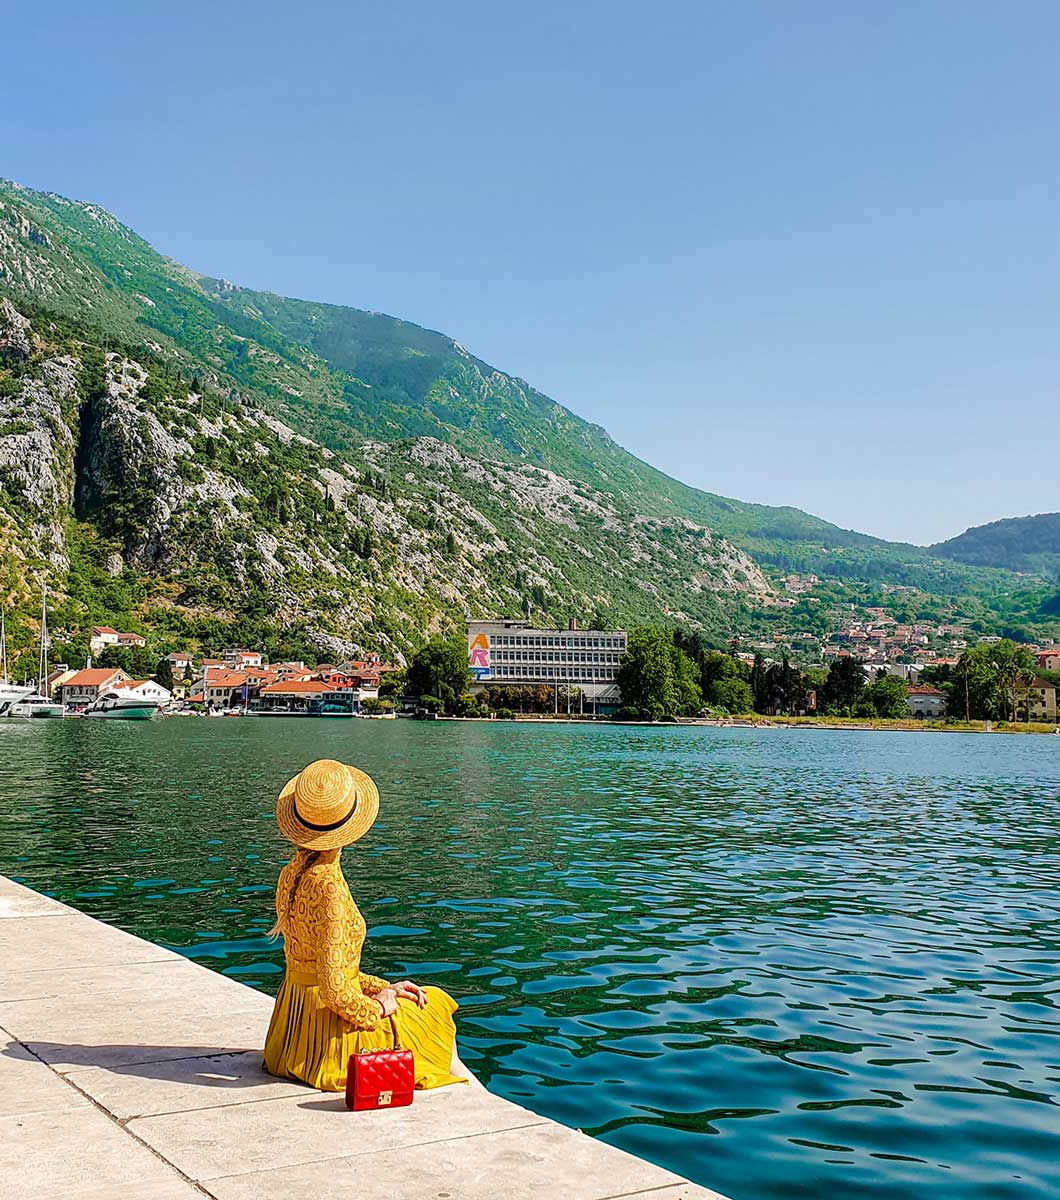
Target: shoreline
[162, 1096]
[877, 725]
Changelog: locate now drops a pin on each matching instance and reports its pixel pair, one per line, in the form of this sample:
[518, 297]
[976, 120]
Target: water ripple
[785, 963]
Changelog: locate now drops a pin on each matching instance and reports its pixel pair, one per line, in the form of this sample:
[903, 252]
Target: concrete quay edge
[132, 1073]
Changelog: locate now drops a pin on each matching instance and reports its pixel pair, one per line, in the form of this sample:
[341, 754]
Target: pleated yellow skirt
[309, 1042]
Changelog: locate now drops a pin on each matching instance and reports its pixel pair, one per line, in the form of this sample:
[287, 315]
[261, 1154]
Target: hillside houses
[102, 636]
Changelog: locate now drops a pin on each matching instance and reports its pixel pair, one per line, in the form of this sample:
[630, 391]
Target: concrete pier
[127, 1071]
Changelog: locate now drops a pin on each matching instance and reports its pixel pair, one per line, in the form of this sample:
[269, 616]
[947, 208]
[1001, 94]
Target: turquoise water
[783, 963]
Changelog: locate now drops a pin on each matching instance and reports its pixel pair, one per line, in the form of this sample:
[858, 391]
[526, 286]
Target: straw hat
[327, 805]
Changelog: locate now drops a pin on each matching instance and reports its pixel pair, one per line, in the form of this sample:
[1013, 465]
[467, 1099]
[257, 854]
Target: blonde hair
[283, 911]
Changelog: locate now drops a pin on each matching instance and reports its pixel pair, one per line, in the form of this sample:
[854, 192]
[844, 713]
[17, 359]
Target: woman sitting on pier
[327, 1008]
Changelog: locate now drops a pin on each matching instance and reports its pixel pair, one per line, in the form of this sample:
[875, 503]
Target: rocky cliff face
[127, 467]
[206, 505]
[37, 440]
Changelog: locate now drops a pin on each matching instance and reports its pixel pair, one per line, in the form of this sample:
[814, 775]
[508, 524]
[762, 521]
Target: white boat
[9, 692]
[123, 705]
[28, 703]
[35, 705]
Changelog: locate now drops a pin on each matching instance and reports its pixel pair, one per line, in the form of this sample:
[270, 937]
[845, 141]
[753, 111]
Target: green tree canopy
[989, 680]
[440, 669]
[888, 696]
[136, 661]
[843, 688]
[657, 677]
[732, 695]
[164, 674]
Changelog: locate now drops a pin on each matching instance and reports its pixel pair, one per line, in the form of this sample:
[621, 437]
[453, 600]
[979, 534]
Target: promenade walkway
[127, 1071]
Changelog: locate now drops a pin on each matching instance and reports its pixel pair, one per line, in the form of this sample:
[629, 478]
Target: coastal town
[235, 681]
[517, 667]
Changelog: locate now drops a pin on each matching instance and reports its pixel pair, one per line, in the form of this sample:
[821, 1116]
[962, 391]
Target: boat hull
[132, 712]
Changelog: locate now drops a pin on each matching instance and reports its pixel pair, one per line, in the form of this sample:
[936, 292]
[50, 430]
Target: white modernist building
[507, 653]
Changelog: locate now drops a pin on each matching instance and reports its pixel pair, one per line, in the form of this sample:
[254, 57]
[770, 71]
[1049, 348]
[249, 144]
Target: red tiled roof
[922, 689]
[227, 679]
[93, 677]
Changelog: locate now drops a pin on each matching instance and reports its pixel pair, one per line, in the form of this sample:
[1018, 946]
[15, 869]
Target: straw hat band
[322, 828]
[327, 805]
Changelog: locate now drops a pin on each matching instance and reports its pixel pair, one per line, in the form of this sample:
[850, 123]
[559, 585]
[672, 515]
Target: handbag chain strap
[397, 1036]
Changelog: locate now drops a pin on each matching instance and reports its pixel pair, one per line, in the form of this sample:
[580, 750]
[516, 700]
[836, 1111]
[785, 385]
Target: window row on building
[588, 674]
[579, 641]
[557, 656]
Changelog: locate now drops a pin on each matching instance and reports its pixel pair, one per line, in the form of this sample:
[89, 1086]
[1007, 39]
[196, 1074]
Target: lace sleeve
[340, 988]
[371, 984]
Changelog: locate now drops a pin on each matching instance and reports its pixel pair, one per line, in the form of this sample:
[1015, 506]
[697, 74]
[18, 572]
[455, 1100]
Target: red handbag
[381, 1078]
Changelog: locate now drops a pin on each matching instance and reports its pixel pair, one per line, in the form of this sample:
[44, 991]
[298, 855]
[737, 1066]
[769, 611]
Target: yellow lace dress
[324, 1009]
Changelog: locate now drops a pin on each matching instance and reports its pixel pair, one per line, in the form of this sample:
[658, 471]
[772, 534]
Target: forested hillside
[202, 461]
[1016, 544]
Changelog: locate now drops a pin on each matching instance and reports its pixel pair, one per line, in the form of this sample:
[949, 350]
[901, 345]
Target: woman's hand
[405, 990]
[388, 999]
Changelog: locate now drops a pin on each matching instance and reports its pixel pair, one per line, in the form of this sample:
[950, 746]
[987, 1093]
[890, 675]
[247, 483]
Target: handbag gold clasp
[385, 1098]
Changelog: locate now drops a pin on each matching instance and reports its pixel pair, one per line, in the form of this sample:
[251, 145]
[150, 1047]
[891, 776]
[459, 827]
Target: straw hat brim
[363, 812]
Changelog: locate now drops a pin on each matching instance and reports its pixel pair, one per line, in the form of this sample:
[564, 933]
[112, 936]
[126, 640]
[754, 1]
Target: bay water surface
[784, 963]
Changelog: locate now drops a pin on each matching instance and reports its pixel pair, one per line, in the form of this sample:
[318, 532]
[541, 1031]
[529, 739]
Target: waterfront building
[1038, 701]
[58, 675]
[512, 653]
[307, 696]
[148, 689]
[222, 689]
[83, 687]
[924, 700]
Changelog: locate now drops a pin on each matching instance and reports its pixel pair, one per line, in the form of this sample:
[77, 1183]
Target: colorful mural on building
[478, 657]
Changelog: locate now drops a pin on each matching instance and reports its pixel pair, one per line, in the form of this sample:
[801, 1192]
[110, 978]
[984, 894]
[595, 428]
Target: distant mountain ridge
[1030, 544]
[292, 431]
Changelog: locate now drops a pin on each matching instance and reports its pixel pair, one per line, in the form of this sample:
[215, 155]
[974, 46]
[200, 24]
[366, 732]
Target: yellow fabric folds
[309, 1042]
[326, 1008]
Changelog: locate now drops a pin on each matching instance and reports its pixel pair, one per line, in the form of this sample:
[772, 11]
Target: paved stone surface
[129, 1073]
[57, 1154]
[24, 903]
[542, 1160]
[26, 1086]
[184, 1084]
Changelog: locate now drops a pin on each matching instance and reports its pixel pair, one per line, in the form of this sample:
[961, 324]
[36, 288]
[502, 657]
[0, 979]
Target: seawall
[128, 1071]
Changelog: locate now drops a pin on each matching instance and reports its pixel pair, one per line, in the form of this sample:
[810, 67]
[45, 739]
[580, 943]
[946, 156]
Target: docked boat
[10, 693]
[122, 705]
[24, 701]
[35, 706]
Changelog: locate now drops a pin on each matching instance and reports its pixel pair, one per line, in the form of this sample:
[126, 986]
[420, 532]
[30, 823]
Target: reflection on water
[784, 963]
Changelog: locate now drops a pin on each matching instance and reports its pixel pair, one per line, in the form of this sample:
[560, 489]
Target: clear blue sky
[795, 252]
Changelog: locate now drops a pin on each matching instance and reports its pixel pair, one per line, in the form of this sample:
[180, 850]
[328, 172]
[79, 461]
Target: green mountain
[1027, 544]
[202, 461]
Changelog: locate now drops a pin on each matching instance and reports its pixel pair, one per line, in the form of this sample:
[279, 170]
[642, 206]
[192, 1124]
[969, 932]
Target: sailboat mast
[3, 648]
[43, 665]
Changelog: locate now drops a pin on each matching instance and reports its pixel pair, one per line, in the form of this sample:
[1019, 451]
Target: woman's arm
[371, 984]
[340, 989]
